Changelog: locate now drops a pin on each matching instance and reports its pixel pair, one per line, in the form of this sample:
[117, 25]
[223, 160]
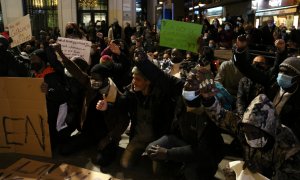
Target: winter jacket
[203, 137]
[161, 101]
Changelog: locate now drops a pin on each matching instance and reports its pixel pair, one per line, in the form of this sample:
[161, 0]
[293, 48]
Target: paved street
[83, 159]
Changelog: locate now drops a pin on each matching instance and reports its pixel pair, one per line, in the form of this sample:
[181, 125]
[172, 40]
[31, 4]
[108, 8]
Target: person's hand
[102, 104]
[44, 87]
[114, 48]
[280, 45]
[99, 35]
[56, 47]
[241, 42]
[104, 142]
[156, 152]
[207, 85]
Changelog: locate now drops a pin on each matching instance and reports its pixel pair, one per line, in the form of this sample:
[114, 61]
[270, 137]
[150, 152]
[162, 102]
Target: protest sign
[180, 35]
[75, 47]
[25, 169]
[66, 171]
[20, 30]
[23, 115]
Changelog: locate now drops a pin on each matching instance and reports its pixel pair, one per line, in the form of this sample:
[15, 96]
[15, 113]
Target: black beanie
[149, 70]
[292, 63]
[41, 54]
[102, 70]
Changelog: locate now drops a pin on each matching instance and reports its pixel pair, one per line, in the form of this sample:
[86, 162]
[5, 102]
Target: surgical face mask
[189, 95]
[211, 45]
[133, 41]
[284, 81]
[67, 73]
[227, 28]
[256, 143]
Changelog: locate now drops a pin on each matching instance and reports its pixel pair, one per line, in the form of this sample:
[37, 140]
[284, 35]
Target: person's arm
[241, 96]
[241, 61]
[53, 61]
[73, 69]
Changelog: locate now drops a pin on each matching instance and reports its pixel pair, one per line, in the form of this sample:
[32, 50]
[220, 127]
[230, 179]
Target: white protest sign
[75, 47]
[20, 30]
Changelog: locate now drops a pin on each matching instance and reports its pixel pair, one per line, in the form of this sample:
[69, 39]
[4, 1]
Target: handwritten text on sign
[20, 31]
[23, 117]
[75, 47]
[181, 35]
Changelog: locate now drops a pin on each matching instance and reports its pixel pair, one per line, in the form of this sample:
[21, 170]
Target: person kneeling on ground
[195, 141]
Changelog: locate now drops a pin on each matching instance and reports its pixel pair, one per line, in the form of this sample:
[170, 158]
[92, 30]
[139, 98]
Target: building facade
[57, 13]
[284, 12]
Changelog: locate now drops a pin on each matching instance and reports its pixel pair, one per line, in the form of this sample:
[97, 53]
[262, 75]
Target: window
[92, 5]
[92, 11]
[43, 14]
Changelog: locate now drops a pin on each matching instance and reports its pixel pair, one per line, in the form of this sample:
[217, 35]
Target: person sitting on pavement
[150, 101]
[102, 127]
[281, 82]
[195, 142]
[248, 89]
[270, 148]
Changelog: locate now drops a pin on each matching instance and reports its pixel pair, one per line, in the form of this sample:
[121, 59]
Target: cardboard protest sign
[20, 30]
[23, 117]
[180, 35]
[75, 47]
[66, 171]
[26, 169]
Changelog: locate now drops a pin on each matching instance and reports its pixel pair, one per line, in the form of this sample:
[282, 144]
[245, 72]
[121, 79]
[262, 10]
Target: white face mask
[257, 143]
[189, 95]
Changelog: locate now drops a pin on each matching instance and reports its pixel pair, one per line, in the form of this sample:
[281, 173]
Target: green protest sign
[180, 35]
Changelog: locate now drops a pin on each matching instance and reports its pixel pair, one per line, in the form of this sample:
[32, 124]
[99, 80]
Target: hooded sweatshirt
[280, 161]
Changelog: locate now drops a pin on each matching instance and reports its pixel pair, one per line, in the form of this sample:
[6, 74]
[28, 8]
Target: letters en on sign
[75, 47]
[20, 30]
[180, 35]
[23, 115]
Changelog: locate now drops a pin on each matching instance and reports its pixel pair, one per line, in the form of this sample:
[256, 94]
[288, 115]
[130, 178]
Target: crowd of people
[176, 103]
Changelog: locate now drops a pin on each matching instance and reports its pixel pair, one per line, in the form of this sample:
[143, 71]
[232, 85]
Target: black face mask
[70, 31]
[259, 67]
[36, 66]
[175, 59]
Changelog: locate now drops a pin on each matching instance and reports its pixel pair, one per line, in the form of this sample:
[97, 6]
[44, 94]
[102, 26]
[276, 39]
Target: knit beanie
[41, 54]
[102, 70]
[106, 59]
[292, 63]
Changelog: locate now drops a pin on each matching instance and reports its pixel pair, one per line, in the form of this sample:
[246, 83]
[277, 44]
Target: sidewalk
[83, 159]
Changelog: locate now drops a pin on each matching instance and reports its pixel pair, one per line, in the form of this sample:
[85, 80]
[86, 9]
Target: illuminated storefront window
[92, 11]
[43, 14]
